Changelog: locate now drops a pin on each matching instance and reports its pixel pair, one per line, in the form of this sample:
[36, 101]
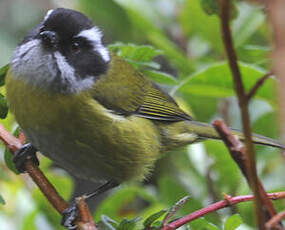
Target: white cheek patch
[47, 70]
[48, 14]
[94, 35]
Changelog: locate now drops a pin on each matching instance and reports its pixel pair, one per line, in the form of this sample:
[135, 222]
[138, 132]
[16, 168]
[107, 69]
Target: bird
[89, 110]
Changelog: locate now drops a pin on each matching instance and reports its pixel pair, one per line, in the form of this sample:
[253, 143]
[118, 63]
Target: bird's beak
[49, 39]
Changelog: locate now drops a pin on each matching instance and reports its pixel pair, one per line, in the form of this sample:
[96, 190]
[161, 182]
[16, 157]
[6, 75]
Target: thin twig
[229, 201]
[14, 144]
[238, 153]
[243, 104]
[275, 220]
[257, 85]
[86, 219]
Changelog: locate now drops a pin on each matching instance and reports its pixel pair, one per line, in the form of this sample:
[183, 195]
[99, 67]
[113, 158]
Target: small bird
[90, 111]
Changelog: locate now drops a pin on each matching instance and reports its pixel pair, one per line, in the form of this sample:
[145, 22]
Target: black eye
[41, 29]
[75, 47]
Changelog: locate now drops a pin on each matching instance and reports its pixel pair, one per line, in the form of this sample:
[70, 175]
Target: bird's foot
[70, 214]
[27, 151]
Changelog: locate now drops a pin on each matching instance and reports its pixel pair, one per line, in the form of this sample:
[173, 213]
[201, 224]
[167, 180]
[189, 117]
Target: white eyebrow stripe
[94, 35]
[48, 14]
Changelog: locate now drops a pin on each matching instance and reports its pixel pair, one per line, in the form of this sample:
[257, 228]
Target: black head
[73, 35]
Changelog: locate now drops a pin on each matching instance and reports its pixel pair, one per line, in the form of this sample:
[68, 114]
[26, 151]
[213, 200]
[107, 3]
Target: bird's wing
[126, 91]
[159, 105]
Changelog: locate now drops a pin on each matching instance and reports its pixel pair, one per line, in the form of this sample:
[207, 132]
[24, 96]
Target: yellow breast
[76, 130]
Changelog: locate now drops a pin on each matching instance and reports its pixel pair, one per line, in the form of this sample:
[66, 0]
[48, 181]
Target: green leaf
[3, 71]
[138, 53]
[249, 20]
[128, 224]
[253, 53]
[153, 218]
[157, 37]
[216, 81]
[202, 224]
[3, 107]
[113, 205]
[99, 12]
[8, 157]
[160, 77]
[212, 7]
[30, 221]
[210, 33]
[171, 189]
[233, 222]
[2, 201]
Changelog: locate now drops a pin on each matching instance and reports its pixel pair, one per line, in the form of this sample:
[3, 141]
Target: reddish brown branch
[216, 206]
[275, 220]
[250, 165]
[238, 153]
[257, 85]
[13, 144]
[86, 219]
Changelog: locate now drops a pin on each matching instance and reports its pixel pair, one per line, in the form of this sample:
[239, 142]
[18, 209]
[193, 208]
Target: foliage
[178, 45]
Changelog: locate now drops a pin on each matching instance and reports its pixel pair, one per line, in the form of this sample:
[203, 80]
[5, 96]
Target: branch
[250, 165]
[228, 201]
[275, 220]
[87, 222]
[257, 85]
[13, 144]
[49, 191]
[238, 153]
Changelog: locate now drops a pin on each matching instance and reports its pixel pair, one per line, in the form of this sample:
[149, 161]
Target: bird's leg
[27, 151]
[70, 214]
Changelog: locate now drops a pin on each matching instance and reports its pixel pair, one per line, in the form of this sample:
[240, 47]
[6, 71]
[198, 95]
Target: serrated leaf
[3, 107]
[233, 222]
[153, 218]
[160, 77]
[3, 71]
[2, 201]
[8, 157]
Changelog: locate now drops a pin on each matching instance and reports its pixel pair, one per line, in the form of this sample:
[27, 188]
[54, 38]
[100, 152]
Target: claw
[27, 151]
[69, 215]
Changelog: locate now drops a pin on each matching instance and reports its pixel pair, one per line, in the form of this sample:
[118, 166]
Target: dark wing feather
[159, 105]
[126, 91]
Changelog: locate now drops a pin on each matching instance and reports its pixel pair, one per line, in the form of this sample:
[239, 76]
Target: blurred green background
[188, 35]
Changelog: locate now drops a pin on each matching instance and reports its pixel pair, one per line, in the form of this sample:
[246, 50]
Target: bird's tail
[208, 131]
